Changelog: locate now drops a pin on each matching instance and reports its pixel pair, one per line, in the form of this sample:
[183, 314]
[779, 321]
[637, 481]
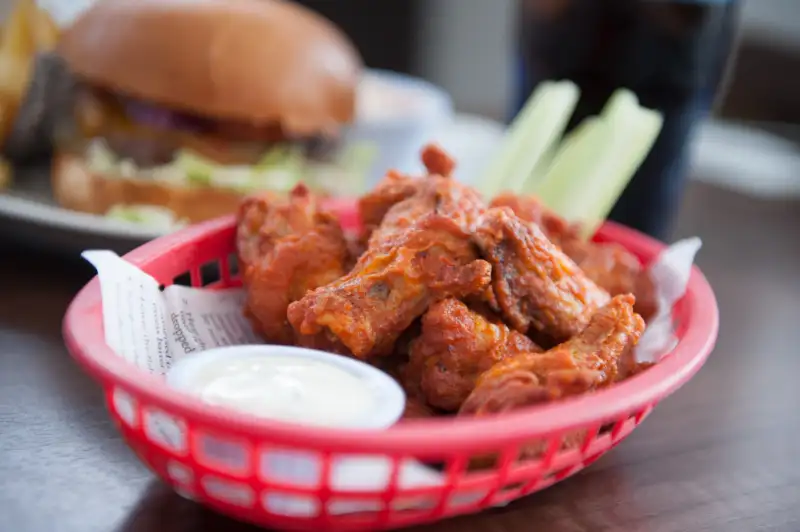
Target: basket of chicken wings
[516, 344]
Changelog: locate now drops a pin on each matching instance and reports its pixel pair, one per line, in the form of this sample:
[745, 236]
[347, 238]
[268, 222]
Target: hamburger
[187, 105]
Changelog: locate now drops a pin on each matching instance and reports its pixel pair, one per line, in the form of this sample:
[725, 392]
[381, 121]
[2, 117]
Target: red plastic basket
[245, 490]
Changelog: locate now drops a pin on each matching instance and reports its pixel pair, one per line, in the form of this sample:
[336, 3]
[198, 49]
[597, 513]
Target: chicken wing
[609, 265]
[531, 209]
[420, 253]
[586, 362]
[437, 161]
[416, 408]
[392, 284]
[286, 248]
[391, 190]
[439, 195]
[538, 288]
[264, 218]
[396, 187]
[455, 347]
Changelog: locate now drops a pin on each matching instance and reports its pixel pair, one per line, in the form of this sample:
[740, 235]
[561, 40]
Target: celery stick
[576, 160]
[596, 161]
[644, 130]
[621, 99]
[538, 127]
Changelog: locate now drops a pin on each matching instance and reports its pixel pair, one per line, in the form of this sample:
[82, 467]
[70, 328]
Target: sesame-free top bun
[260, 61]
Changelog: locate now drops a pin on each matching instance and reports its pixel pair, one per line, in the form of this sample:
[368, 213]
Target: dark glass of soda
[672, 53]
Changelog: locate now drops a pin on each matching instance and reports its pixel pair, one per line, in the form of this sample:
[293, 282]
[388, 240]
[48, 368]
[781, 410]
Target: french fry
[15, 75]
[44, 30]
[5, 168]
[5, 174]
[17, 39]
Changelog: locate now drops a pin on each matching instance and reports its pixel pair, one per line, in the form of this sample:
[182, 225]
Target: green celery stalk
[595, 162]
[639, 139]
[539, 126]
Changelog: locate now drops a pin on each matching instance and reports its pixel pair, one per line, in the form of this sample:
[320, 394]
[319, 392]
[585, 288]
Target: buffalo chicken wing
[455, 347]
[589, 361]
[609, 265]
[537, 287]
[396, 187]
[391, 285]
[286, 248]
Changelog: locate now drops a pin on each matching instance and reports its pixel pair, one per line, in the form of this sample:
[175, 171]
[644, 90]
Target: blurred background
[468, 47]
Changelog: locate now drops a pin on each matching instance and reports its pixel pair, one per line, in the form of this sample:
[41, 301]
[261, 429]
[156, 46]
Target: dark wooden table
[719, 455]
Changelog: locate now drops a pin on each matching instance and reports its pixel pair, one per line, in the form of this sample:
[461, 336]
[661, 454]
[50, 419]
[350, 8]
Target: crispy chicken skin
[416, 408]
[587, 362]
[391, 190]
[531, 209]
[457, 344]
[392, 284]
[420, 253]
[264, 218]
[437, 192]
[286, 248]
[538, 288]
[609, 265]
[437, 161]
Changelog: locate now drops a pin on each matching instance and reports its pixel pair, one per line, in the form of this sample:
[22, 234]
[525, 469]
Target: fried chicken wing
[609, 265]
[439, 195]
[538, 288]
[392, 284]
[436, 193]
[457, 344]
[437, 161]
[587, 362]
[286, 248]
[264, 218]
[391, 190]
[396, 187]
[420, 253]
[416, 408]
[531, 209]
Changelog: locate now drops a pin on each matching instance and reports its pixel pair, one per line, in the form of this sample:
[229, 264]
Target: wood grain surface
[720, 455]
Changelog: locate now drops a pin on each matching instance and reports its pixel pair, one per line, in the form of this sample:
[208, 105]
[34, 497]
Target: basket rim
[84, 337]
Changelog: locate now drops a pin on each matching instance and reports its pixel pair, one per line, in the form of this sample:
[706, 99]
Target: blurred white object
[398, 115]
[472, 141]
[746, 159]
[65, 11]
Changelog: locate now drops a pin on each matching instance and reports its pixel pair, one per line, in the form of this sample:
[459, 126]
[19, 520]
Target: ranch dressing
[291, 384]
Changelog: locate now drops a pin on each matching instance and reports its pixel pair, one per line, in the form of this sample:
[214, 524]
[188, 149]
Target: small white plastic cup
[398, 114]
[287, 465]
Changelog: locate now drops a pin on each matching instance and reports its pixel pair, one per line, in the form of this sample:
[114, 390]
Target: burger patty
[148, 152]
[150, 135]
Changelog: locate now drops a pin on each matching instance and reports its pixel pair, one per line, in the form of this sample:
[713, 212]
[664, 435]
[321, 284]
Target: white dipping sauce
[291, 384]
[284, 388]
